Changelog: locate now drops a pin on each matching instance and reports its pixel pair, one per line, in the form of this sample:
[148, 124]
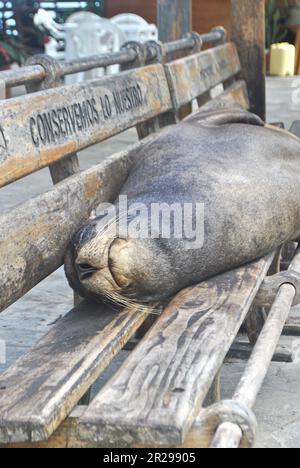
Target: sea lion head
[100, 265]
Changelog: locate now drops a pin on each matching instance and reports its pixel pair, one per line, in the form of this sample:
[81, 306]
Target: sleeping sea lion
[245, 176]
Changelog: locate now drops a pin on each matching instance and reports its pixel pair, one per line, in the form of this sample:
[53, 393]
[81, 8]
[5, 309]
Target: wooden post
[214, 393]
[248, 34]
[174, 19]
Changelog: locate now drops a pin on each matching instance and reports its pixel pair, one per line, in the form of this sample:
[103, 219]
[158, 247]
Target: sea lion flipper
[227, 116]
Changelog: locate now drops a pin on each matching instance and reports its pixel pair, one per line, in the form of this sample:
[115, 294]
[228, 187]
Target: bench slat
[42, 387]
[234, 94]
[34, 236]
[39, 129]
[68, 434]
[192, 76]
[158, 392]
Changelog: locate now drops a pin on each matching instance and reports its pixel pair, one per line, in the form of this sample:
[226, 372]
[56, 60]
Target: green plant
[11, 51]
[276, 30]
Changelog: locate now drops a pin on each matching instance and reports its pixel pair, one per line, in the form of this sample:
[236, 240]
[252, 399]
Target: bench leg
[254, 323]
[214, 393]
[77, 299]
[257, 316]
[86, 399]
[242, 351]
[292, 327]
[203, 99]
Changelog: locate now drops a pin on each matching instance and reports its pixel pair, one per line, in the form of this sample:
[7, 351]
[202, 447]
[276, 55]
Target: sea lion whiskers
[112, 300]
[110, 224]
[129, 303]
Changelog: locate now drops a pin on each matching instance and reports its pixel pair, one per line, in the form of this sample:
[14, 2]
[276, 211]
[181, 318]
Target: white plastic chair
[135, 27]
[88, 34]
[83, 17]
[45, 22]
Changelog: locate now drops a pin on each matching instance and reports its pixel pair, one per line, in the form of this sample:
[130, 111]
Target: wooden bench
[166, 393]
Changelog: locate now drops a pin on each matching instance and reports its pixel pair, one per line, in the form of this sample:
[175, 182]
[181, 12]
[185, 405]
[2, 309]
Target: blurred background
[28, 27]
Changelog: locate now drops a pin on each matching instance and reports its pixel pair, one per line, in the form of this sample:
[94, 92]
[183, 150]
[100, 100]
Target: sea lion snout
[118, 259]
[86, 261]
[85, 270]
[104, 255]
[99, 266]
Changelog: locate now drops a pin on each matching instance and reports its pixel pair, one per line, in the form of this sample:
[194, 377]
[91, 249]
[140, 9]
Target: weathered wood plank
[248, 33]
[67, 435]
[42, 387]
[235, 94]
[159, 390]
[192, 76]
[39, 129]
[35, 235]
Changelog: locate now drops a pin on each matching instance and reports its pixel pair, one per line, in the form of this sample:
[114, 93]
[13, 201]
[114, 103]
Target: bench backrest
[43, 128]
[193, 76]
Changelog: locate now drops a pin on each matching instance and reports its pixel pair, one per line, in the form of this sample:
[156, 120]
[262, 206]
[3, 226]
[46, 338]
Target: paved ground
[283, 100]
[278, 404]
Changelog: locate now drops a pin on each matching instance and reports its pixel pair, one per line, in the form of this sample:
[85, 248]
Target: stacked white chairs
[88, 34]
[135, 27]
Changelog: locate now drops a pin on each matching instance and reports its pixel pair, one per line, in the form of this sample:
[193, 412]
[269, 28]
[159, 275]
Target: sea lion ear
[232, 115]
